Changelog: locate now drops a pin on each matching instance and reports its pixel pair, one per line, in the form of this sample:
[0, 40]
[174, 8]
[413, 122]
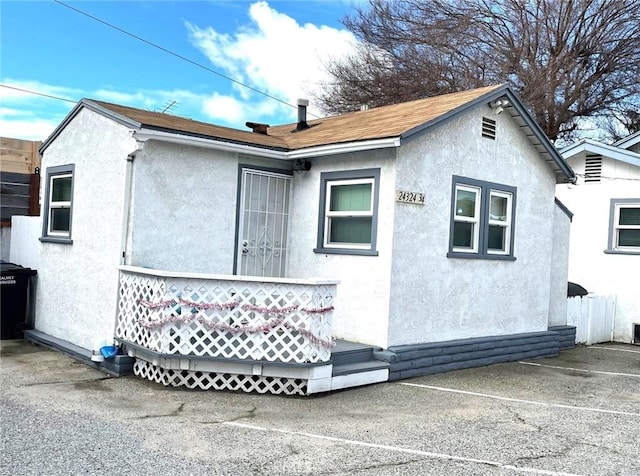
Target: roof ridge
[372, 110]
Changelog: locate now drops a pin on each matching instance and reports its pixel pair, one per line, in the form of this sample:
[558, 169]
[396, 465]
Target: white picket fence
[593, 316]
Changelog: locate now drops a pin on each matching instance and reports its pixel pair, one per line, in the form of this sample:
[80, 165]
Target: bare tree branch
[569, 60]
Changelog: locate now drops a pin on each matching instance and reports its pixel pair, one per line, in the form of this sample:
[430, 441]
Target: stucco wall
[77, 283]
[362, 304]
[184, 207]
[589, 265]
[435, 298]
[25, 247]
[184, 219]
[559, 268]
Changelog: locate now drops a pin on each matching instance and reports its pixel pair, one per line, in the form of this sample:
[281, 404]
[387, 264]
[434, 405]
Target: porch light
[498, 105]
[301, 165]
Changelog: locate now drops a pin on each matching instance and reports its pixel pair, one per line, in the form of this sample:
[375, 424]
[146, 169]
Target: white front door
[263, 223]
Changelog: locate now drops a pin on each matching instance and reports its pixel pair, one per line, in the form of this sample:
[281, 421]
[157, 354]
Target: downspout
[126, 211]
[126, 216]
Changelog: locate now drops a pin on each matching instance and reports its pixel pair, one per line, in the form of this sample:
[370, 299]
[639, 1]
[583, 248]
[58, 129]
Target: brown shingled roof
[377, 123]
[168, 122]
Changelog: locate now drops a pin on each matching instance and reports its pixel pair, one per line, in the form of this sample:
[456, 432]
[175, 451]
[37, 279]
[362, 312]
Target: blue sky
[279, 47]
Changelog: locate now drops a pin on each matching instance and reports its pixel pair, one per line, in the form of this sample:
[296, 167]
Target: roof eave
[563, 172]
[86, 103]
[344, 147]
[146, 133]
[414, 132]
[605, 150]
[205, 142]
[628, 141]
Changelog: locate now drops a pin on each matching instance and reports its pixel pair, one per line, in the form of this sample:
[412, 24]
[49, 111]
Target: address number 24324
[410, 197]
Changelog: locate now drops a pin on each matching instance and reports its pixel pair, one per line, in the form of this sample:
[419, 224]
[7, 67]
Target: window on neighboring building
[58, 205]
[482, 217]
[624, 225]
[348, 214]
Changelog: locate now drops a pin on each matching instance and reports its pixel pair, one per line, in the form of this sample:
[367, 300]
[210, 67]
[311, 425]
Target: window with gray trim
[482, 219]
[348, 216]
[58, 204]
[624, 226]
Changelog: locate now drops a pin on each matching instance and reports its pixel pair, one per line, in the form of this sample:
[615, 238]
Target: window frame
[475, 220]
[614, 218]
[56, 173]
[507, 224]
[485, 191]
[347, 177]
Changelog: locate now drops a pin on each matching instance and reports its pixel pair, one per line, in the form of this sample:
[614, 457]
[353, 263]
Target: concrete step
[351, 352]
[358, 367]
[351, 358]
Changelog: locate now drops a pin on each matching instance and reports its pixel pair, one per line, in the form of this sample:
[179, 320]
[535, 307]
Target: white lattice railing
[235, 317]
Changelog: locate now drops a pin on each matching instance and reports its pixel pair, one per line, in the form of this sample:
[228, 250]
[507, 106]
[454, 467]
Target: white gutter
[332, 149]
[144, 135]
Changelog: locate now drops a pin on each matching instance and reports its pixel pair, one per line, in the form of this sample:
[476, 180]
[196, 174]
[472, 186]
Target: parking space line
[518, 400]
[614, 348]
[399, 449]
[618, 374]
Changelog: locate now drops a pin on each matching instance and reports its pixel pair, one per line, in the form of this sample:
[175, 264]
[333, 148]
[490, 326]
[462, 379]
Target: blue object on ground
[109, 351]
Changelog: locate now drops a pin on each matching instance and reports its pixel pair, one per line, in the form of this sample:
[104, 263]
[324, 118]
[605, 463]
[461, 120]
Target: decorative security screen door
[263, 224]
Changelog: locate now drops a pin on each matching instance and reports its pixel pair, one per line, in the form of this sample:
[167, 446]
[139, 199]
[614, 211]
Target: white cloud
[25, 115]
[28, 116]
[274, 54]
[154, 100]
[225, 108]
[28, 129]
[6, 112]
[9, 94]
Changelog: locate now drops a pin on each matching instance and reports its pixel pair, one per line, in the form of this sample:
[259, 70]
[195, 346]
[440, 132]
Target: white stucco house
[604, 252]
[425, 234]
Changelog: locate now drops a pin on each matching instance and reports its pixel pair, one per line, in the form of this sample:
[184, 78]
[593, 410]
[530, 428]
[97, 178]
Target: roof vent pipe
[258, 127]
[302, 114]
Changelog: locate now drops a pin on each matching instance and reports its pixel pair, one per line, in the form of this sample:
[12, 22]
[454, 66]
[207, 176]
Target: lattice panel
[274, 318]
[218, 381]
[134, 288]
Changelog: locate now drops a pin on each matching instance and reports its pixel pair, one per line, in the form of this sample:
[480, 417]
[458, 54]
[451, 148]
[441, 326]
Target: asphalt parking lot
[578, 413]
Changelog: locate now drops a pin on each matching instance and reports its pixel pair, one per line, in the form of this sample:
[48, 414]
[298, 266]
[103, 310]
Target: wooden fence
[19, 178]
[592, 315]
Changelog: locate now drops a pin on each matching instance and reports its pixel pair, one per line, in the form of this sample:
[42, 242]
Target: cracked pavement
[58, 416]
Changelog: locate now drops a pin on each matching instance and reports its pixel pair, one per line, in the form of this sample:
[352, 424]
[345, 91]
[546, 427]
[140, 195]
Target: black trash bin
[17, 285]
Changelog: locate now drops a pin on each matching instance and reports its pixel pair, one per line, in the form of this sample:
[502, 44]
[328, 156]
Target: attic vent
[488, 128]
[593, 168]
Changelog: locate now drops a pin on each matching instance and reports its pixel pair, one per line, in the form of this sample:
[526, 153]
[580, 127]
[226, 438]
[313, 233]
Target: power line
[172, 53]
[610, 178]
[37, 93]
